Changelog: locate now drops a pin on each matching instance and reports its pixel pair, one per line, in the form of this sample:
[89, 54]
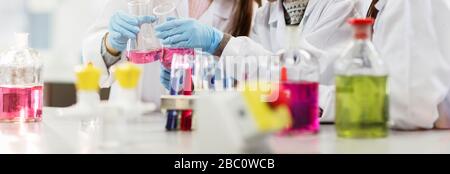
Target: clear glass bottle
[361, 87]
[301, 86]
[21, 85]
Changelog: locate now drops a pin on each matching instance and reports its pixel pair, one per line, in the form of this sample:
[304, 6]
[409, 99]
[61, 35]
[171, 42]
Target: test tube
[178, 67]
[186, 116]
[204, 72]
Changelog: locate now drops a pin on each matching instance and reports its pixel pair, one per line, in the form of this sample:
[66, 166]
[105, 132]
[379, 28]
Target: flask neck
[363, 33]
[293, 37]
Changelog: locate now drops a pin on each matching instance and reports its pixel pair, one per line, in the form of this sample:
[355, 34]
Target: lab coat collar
[277, 11]
[380, 5]
[221, 8]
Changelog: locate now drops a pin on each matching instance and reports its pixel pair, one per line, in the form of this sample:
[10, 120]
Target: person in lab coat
[104, 44]
[323, 28]
[413, 38]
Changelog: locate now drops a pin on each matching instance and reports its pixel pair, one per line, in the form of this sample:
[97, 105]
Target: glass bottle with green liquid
[361, 87]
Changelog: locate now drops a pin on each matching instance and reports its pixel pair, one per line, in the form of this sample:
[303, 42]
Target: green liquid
[362, 106]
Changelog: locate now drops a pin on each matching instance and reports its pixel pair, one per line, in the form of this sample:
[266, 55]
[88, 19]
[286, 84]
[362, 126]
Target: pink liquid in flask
[144, 57]
[22, 104]
[170, 52]
[303, 102]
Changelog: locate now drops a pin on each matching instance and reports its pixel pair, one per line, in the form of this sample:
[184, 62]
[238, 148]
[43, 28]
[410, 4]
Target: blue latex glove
[165, 77]
[189, 33]
[123, 26]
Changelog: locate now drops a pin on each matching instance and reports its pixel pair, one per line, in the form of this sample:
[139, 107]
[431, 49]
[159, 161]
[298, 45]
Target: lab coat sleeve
[93, 41]
[413, 39]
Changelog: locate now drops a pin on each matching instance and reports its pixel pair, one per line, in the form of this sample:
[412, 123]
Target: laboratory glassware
[122, 108]
[86, 108]
[300, 87]
[180, 84]
[128, 76]
[88, 98]
[205, 67]
[229, 73]
[163, 11]
[21, 83]
[361, 87]
[146, 48]
[87, 79]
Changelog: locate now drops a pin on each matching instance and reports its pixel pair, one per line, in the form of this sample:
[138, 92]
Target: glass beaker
[146, 48]
[300, 87]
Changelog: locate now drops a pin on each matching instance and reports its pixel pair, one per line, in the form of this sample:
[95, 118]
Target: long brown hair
[243, 16]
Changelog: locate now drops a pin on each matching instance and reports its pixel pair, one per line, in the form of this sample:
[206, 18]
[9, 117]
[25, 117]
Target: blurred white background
[56, 29]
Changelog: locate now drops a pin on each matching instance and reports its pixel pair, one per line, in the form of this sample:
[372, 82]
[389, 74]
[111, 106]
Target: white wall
[12, 19]
[71, 20]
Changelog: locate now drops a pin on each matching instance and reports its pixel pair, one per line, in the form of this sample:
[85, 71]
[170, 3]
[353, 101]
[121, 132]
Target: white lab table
[147, 135]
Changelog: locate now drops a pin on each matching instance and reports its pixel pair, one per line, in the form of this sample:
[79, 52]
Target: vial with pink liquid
[300, 86]
[21, 86]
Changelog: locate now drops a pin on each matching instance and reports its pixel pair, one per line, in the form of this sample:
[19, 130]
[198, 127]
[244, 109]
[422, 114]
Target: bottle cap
[362, 27]
[88, 78]
[127, 75]
[361, 21]
[284, 77]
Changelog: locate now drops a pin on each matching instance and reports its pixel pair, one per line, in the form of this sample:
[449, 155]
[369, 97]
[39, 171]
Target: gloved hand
[165, 77]
[189, 33]
[123, 26]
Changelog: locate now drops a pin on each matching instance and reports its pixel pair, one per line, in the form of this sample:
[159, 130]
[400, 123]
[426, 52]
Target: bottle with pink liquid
[300, 86]
[21, 85]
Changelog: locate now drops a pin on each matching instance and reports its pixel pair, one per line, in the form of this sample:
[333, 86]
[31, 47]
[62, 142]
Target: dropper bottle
[128, 76]
[87, 79]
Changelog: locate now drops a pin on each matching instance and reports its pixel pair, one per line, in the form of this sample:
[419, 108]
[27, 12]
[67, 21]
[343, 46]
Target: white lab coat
[413, 38]
[362, 6]
[324, 33]
[218, 15]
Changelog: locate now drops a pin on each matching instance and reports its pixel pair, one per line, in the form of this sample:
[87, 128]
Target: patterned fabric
[294, 10]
